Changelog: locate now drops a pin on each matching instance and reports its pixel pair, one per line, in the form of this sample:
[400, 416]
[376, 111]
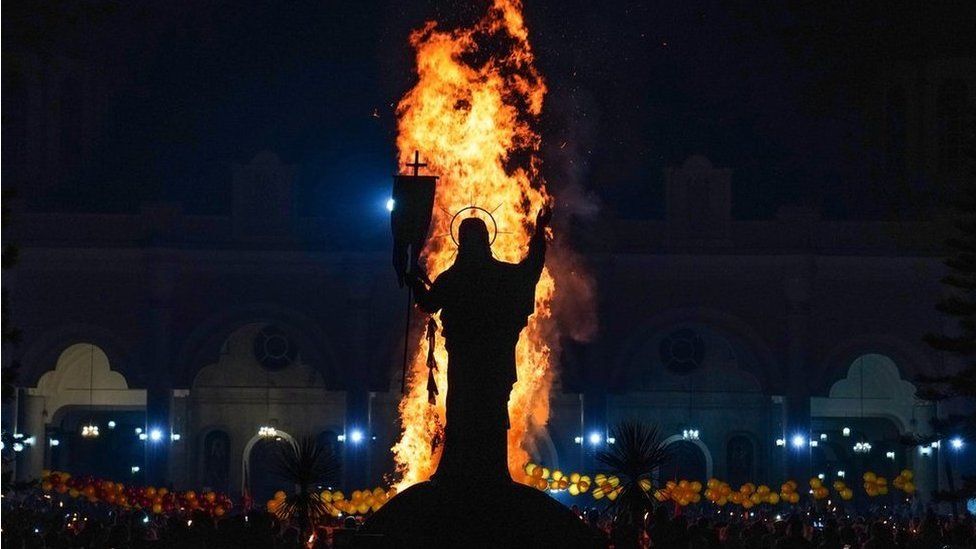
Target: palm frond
[304, 462]
[303, 509]
[638, 450]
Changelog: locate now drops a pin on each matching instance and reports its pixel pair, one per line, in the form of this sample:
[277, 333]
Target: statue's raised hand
[543, 218]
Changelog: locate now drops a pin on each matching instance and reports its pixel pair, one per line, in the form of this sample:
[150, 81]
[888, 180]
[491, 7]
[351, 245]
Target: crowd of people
[33, 519]
[36, 520]
[806, 529]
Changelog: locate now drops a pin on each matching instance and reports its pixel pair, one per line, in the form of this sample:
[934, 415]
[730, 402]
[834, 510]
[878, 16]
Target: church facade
[763, 349]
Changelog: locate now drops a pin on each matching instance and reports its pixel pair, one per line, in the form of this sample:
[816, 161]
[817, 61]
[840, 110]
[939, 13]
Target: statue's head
[473, 239]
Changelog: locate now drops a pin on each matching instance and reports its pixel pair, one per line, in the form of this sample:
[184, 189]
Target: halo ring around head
[494, 223]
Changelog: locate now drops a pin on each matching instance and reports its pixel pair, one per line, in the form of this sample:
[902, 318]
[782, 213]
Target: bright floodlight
[957, 443]
[155, 435]
[799, 441]
[389, 204]
[111, 424]
[595, 438]
[356, 436]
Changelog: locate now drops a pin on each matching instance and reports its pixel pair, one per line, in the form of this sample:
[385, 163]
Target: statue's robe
[484, 305]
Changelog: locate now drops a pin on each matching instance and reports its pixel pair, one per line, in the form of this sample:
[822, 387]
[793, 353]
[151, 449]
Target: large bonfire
[473, 114]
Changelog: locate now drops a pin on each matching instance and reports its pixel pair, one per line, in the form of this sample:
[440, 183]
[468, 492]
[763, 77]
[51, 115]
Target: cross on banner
[417, 164]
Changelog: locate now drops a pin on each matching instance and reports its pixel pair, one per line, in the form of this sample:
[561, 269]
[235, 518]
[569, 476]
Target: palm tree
[636, 453]
[306, 464]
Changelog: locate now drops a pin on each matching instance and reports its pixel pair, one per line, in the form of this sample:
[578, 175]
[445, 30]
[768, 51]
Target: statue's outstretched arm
[536, 258]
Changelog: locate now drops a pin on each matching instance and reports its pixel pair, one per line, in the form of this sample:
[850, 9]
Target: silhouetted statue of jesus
[484, 305]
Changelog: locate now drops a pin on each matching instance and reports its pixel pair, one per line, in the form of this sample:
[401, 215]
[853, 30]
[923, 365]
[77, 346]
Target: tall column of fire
[473, 113]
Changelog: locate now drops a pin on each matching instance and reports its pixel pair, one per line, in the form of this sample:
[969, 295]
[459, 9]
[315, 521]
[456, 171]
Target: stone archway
[259, 443]
[873, 387]
[873, 403]
[82, 381]
[690, 459]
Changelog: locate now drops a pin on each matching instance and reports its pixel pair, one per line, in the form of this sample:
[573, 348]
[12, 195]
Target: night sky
[776, 90]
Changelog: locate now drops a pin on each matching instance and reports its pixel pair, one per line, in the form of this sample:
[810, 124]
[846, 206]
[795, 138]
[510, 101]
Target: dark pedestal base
[432, 514]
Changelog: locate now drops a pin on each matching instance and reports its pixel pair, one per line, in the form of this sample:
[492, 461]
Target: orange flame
[472, 114]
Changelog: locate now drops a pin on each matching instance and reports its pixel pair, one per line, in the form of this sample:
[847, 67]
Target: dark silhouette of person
[484, 305]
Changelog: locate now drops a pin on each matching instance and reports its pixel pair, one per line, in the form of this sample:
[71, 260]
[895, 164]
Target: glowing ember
[472, 114]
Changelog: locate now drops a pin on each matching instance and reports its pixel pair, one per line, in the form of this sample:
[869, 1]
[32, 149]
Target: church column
[32, 426]
[798, 389]
[923, 461]
[594, 421]
[358, 452]
[159, 393]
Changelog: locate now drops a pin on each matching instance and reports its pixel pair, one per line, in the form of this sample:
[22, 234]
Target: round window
[682, 351]
[273, 349]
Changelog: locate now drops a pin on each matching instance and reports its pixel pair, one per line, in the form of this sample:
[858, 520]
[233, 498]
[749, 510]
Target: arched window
[329, 439]
[216, 460]
[952, 122]
[740, 457]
